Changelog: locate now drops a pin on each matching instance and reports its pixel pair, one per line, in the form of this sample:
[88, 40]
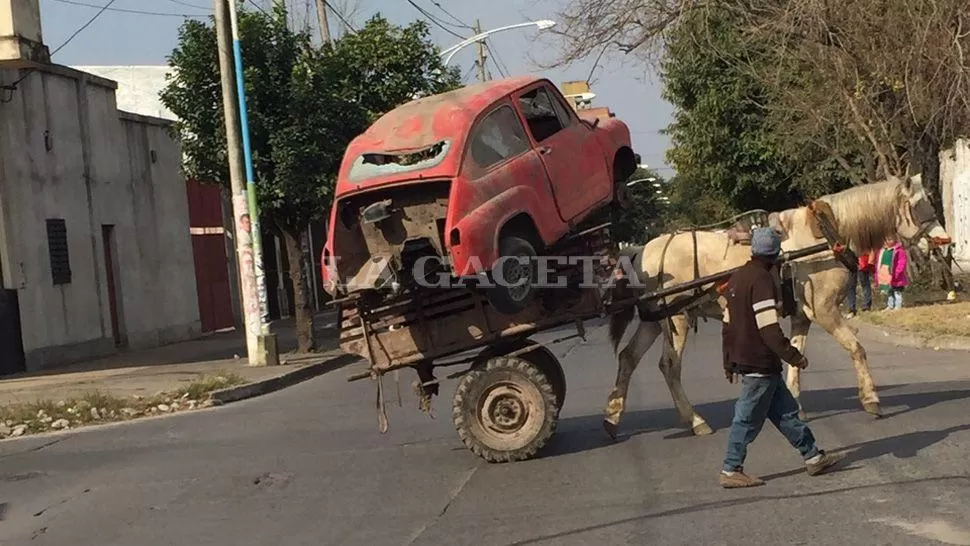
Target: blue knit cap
[765, 242]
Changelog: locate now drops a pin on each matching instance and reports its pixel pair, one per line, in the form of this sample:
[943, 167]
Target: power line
[499, 68]
[339, 16]
[10, 88]
[257, 6]
[461, 23]
[435, 20]
[470, 70]
[123, 10]
[84, 26]
[181, 3]
[497, 59]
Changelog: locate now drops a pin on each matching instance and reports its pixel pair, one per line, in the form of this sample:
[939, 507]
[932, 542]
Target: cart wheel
[547, 363]
[505, 410]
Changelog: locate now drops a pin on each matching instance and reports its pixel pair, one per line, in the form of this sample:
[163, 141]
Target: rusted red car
[502, 168]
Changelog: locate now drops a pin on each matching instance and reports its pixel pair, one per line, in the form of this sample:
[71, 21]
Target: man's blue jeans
[761, 398]
[865, 279]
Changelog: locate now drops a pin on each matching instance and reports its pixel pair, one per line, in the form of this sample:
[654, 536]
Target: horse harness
[738, 231]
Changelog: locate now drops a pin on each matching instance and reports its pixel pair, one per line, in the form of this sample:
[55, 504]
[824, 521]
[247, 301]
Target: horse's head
[916, 217]
[781, 222]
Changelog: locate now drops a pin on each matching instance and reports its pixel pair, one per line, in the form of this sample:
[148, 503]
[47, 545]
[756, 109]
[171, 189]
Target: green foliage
[728, 153]
[304, 103]
[693, 205]
[642, 219]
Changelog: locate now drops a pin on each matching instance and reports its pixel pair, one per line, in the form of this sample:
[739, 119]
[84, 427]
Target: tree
[723, 138]
[868, 85]
[892, 74]
[641, 220]
[305, 105]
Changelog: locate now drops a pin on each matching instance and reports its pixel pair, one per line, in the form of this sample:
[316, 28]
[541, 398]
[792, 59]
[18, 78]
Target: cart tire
[511, 300]
[540, 356]
[505, 410]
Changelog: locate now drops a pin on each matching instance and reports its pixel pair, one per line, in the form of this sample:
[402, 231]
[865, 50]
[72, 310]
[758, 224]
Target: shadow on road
[730, 503]
[579, 434]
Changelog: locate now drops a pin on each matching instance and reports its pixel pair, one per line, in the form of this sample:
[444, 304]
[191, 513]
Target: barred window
[57, 246]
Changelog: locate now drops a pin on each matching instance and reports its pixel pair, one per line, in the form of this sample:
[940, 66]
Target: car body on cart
[453, 182]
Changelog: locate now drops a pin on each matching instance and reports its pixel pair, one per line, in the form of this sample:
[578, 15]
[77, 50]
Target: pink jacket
[896, 277]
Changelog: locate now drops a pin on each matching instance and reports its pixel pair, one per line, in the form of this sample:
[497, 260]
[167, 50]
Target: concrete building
[210, 209]
[139, 89]
[95, 251]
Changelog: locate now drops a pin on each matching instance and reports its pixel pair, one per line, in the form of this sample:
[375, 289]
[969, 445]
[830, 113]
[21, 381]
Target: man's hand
[801, 364]
[730, 376]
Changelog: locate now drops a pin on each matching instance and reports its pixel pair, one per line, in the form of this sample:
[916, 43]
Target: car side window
[497, 136]
[563, 112]
[540, 110]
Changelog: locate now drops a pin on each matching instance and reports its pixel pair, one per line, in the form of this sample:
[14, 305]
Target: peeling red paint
[554, 182]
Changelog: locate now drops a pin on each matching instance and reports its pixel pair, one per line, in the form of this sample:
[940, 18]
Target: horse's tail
[620, 290]
[618, 324]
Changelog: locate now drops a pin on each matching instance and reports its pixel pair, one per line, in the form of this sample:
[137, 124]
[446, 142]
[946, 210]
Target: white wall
[955, 186]
[98, 171]
[138, 87]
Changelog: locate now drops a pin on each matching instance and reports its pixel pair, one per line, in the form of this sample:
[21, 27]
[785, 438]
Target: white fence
[955, 189]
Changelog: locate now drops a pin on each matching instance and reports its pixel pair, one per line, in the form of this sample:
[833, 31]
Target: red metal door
[579, 179]
[209, 250]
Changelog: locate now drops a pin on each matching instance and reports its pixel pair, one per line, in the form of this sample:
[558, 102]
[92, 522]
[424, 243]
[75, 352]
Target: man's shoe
[738, 479]
[822, 462]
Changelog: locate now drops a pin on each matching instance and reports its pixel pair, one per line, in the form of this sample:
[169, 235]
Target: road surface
[307, 466]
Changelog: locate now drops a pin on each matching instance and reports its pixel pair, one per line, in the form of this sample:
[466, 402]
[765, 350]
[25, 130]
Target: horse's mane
[866, 214]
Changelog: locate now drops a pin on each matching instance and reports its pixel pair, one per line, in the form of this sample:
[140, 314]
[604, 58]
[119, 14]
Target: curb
[906, 338]
[288, 379]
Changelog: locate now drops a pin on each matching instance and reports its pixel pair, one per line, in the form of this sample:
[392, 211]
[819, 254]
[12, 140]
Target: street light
[651, 179]
[447, 54]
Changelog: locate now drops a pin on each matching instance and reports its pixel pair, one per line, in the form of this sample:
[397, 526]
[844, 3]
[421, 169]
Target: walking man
[754, 346]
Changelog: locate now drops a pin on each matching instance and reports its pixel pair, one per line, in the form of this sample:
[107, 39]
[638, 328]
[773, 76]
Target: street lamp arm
[450, 52]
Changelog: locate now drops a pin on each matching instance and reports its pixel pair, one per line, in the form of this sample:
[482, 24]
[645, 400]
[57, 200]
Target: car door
[560, 138]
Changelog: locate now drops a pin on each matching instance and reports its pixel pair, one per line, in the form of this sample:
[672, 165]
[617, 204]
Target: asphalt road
[307, 466]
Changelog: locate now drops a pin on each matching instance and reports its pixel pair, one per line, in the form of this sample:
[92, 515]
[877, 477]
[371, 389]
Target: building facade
[95, 251]
[139, 89]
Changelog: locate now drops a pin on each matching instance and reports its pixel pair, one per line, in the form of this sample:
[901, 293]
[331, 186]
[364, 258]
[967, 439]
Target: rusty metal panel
[436, 324]
[417, 212]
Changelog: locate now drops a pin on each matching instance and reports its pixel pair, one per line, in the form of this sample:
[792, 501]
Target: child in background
[892, 273]
[864, 277]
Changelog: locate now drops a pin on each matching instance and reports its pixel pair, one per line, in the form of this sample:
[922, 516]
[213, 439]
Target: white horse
[864, 216]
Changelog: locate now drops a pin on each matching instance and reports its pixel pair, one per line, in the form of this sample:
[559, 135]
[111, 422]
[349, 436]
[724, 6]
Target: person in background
[754, 347]
[891, 275]
[867, 266]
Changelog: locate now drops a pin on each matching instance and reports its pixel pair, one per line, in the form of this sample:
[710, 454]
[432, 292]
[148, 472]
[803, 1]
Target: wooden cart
[507, 402]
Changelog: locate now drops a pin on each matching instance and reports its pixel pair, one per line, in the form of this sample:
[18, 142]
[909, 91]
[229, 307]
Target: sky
[120, 37]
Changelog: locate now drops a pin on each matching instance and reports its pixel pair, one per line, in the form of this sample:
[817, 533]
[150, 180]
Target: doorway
[110, 246]
[12, 358]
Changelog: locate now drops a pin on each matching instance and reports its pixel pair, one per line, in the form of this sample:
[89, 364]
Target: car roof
[429, 120]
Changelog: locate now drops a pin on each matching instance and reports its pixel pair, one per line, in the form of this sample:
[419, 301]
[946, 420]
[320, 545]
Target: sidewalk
[147, 373]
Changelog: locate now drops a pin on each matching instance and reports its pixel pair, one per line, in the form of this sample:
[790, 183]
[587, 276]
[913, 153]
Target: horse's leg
[832, 322]
[670, 366]
[800, 324]
[627, 361]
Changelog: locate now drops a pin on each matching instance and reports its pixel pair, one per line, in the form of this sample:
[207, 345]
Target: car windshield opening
[372, 164]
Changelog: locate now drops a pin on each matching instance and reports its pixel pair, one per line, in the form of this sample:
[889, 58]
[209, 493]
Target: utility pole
[240, 204]
[322, 18]
[481, 53]
[267, 351]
